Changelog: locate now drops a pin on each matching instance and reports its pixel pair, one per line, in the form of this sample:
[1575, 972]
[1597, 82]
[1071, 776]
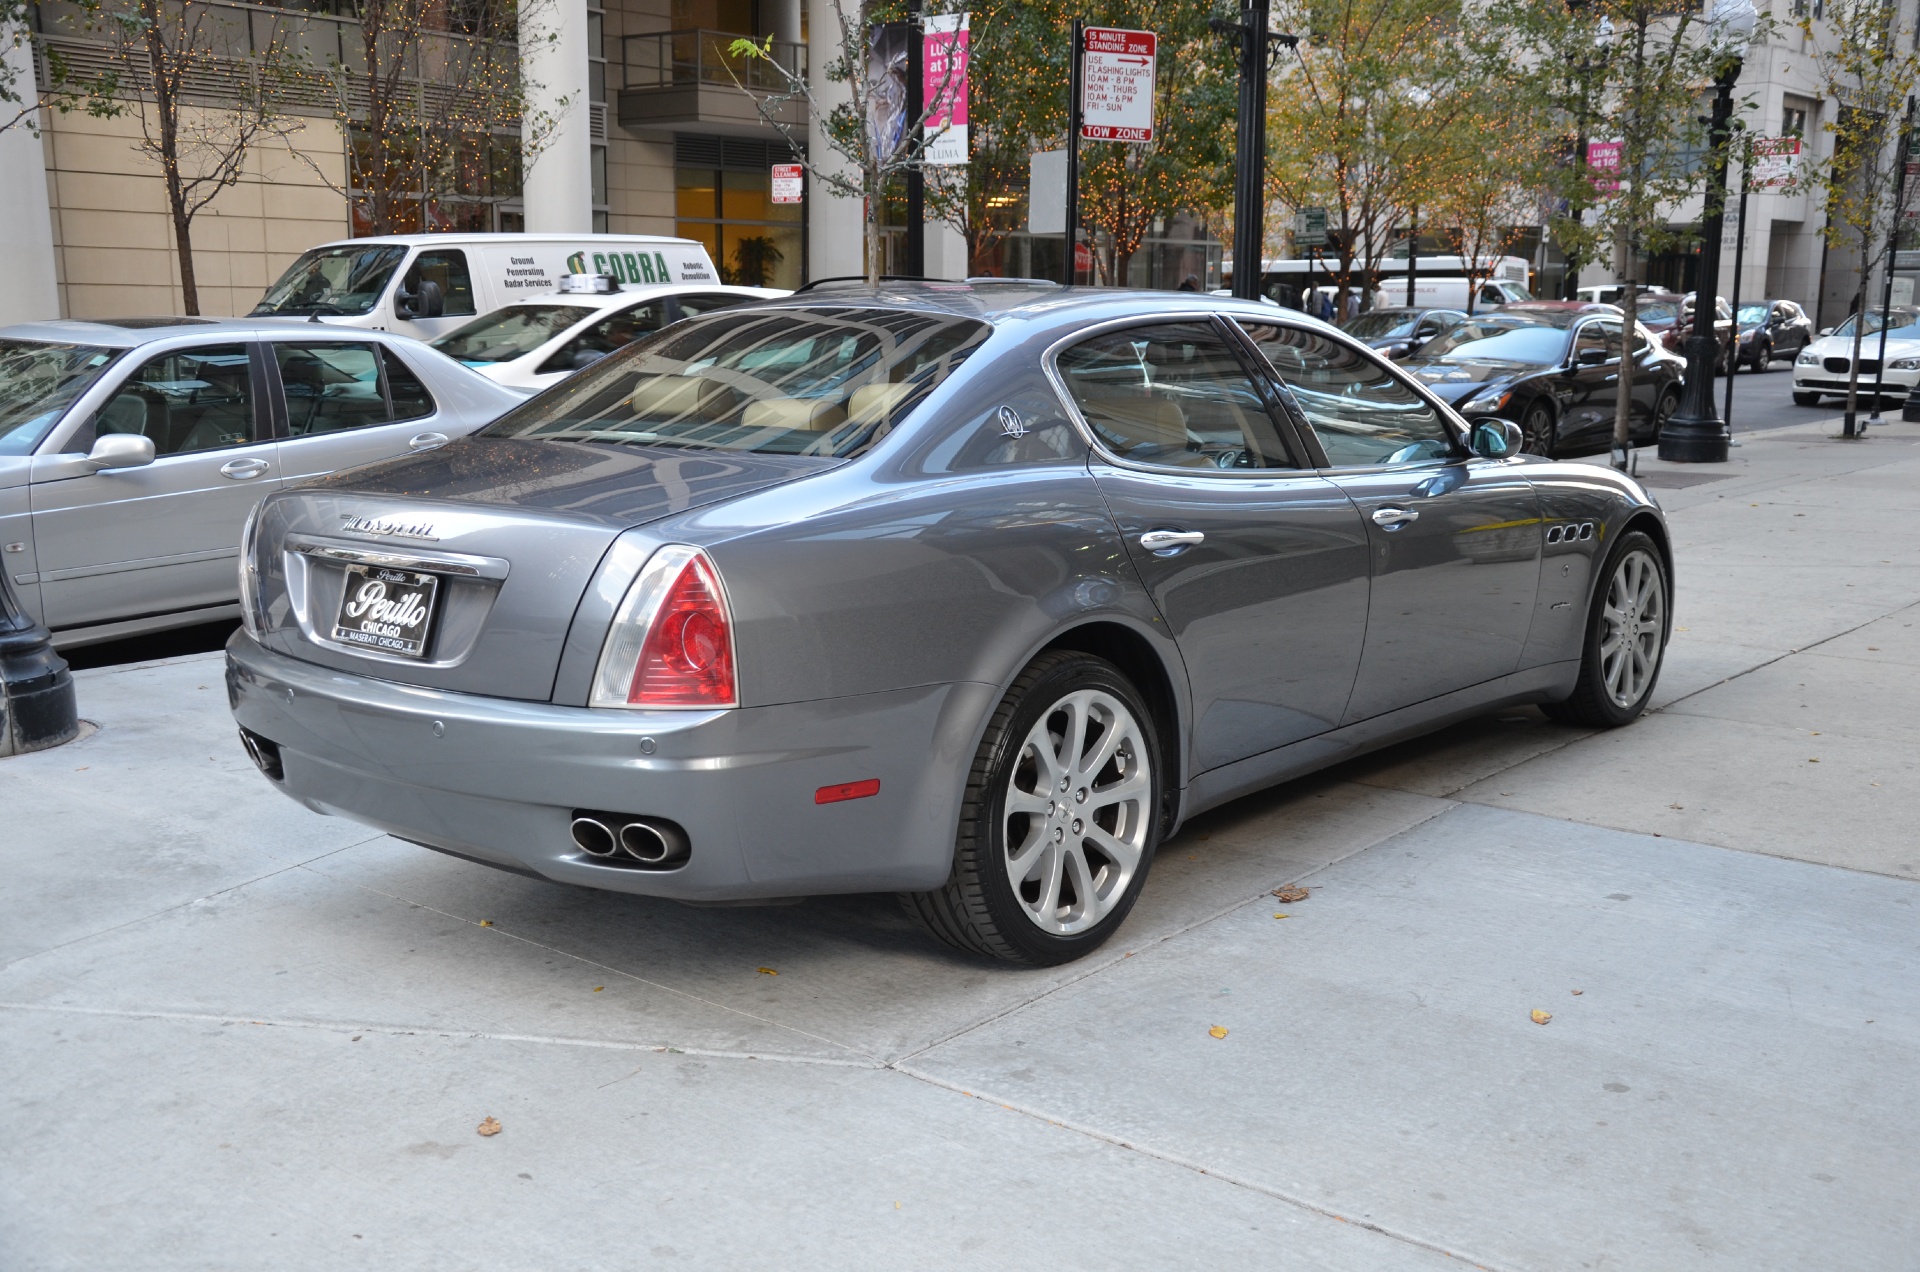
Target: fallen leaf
[355, 1038]
[1681, 806]
[1292, 892]
[1813, 759]
[1873, 783]
[768, 971]
[1280, 915]
[486, 923]
[1218, 1031]
[598, 988]
[1873, 649]
[1578, 992]
[1542, 1017]
[488, 1127]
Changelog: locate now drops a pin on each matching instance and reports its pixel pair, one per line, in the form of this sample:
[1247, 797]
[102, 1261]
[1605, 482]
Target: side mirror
[1590, 357]
[1494, 438]
[1826, 331]
[427, 302]
[121, 450]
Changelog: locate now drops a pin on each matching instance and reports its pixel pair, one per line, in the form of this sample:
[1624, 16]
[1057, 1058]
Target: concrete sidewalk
[233, 1033]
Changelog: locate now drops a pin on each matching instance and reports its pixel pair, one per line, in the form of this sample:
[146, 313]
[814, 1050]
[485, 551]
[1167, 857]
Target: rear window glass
[824, 382]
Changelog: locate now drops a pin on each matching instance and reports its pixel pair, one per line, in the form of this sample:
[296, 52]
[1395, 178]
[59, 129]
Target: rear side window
[509, 333]
[791, 381]
[331, 388]
[1174, 395]
[190, 400]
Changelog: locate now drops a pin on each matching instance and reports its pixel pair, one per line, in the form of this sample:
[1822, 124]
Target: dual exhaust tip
[620, 839]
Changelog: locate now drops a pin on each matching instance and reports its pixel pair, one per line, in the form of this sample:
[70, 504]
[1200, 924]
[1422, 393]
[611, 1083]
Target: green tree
[1651, 62]
[22, 97]
[1870, 68]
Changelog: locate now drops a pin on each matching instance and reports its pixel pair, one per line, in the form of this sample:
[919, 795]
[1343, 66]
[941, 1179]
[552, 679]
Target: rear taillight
[671, 644]
[250, 577]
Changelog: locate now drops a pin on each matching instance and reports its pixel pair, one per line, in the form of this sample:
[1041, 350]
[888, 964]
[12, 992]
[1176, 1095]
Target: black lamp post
[37, 708]
[1257, 47]
[1696, 434]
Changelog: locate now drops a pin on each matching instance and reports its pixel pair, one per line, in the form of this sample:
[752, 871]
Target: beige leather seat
[801, 415]
[662, 399]
[872, 403]
[1143, 421]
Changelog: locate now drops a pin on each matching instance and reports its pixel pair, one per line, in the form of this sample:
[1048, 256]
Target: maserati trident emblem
[1011, 425]
[356, 524]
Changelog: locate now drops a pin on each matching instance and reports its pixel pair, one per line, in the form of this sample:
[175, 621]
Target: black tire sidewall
[1590, 666]
[1082, 671]
[1538, 411]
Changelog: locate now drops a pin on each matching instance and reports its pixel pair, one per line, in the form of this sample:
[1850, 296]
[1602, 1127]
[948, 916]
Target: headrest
[872, 402]
[671, 395]
[805, 415]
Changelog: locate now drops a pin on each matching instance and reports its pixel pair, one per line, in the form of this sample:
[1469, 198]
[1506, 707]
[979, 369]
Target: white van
[1440, 292]
[425, 285]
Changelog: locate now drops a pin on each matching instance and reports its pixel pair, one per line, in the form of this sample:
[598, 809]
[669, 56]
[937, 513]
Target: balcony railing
[688, 59]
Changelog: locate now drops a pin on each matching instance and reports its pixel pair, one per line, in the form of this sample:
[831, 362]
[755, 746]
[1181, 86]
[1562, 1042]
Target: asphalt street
[1646, 998]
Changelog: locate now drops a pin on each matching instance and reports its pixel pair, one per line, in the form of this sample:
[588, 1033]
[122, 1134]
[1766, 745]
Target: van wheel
[1059, 822]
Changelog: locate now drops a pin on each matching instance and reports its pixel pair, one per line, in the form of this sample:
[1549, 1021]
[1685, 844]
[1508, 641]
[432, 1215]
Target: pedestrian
[1353, 305]
[1323, 306]
[1191, 283]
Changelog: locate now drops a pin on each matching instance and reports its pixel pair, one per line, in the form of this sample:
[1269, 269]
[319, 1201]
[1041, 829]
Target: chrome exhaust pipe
[594, 837]
[654, 843]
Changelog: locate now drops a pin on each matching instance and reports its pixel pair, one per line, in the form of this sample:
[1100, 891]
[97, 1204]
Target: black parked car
[1771, 329]
[1400, 331]
[1554, 367]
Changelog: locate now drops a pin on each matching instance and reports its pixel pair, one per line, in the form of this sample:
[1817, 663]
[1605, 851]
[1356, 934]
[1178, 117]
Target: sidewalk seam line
[1173, 1159]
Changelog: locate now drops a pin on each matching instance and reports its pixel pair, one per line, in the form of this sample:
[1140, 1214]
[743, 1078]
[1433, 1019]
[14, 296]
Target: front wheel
[1806, 399]
[1059, 821]
[1763, 361]
[1626, 639]
[1536, 430]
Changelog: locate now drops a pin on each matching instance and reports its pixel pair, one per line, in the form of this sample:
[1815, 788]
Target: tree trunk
[1860, 327]
[166, 109]
[1623, 406]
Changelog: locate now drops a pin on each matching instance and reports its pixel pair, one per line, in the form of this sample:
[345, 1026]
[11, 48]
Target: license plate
[387, 610]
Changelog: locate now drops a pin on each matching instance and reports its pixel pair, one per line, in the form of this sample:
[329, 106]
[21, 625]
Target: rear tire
[1044, 873]
[1626, 641]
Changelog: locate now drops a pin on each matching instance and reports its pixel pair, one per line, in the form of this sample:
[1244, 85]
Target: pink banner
[944, 63]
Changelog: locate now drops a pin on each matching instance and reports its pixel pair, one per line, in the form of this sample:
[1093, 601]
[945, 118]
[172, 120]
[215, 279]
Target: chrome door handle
[244, 469]
[426, 441]
[1169, 541]
[1391, 518]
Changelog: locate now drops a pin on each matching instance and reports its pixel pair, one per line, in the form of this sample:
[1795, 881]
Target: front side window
[1590, 345]
[330, 387]
[38, 382]
[1174, 395]
[509, 333]
[1361, 411]
[615, 331]
[446, 268]
[791, 381]
[1382, 324]
[333, 280]
[186, 401]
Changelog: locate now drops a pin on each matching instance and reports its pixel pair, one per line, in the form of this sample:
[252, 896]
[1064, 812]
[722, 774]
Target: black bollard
[37, 707]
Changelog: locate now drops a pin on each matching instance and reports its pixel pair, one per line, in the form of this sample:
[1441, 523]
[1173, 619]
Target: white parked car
[1824, 366]
[533, 343]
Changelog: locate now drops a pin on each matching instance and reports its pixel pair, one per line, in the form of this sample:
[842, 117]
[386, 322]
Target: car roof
[630, 293]
[1027, 302]
[508, 237]
[131, 333]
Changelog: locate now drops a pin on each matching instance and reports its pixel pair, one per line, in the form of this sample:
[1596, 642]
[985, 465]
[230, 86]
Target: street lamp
[36, 691]
[1696, 434]
[1258, 48]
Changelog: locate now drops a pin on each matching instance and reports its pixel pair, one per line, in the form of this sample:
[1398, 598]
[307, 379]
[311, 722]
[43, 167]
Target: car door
[346, 402]
[1590, 384]
[1257, 563]
[1454, 540]
[122, 543]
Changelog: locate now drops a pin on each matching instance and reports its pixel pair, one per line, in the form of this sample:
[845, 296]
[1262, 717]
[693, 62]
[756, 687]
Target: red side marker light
[846, 791]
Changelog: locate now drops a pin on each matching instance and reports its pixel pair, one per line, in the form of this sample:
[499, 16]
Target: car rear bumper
[498, 781]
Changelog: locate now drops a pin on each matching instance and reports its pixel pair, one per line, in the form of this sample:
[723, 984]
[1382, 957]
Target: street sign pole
[916, 262]
[1250, 161]
[1893, 248]
[1068, 274]
[1733, 288]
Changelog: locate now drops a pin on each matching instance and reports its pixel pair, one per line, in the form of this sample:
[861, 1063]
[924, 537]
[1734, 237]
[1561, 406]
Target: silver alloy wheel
[1078, 810]
[1635, 613]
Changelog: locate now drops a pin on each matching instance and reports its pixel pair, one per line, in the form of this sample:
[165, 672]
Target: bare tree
[201, 108]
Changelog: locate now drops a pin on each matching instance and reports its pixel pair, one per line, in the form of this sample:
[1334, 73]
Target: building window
[1794, 112]
[722, 189]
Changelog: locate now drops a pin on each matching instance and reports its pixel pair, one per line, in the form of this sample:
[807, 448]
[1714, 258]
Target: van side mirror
[1494, 438]
[121, 450]
[426, 302]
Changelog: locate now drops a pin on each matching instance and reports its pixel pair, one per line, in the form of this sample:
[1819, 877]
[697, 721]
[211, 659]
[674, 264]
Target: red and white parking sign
[789, 183]
[1116, 85]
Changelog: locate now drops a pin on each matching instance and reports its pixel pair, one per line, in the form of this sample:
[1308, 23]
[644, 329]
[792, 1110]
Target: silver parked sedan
[971, 593]
[132, 450]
